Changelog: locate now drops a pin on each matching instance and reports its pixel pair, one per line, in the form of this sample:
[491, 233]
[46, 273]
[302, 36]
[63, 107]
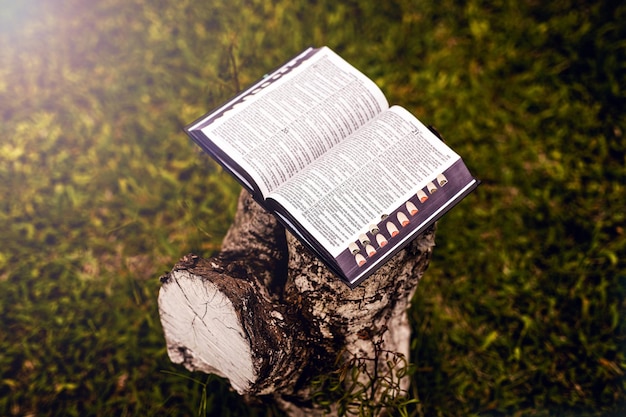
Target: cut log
[268, 315]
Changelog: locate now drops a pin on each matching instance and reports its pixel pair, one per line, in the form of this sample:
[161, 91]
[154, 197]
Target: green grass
[522, 310]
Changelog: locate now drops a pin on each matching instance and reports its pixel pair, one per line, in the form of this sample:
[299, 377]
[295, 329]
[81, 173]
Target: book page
[366, 176]
[295, 116]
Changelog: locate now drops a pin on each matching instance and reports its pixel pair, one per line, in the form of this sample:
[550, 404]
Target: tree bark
[269, 316]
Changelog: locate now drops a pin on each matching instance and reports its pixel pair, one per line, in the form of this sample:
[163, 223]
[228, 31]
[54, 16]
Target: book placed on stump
[316, 143]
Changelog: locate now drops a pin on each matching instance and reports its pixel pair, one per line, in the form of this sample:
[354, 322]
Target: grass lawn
[522, 310]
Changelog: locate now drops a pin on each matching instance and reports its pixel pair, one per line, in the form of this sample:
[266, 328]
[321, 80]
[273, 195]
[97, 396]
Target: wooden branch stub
[227, 325]
[204, 330]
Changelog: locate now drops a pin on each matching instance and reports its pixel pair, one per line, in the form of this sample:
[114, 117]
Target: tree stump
[269, 316]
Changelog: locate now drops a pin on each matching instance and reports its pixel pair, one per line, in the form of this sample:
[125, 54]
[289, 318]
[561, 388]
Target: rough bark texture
[269, 316]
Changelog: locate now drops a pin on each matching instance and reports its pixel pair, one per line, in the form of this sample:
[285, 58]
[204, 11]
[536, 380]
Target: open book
[317, 144]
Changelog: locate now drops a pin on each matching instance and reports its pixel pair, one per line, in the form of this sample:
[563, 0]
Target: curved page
[294, 116]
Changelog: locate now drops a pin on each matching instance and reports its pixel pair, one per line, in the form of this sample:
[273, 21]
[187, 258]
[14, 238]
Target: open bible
[317, 144]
